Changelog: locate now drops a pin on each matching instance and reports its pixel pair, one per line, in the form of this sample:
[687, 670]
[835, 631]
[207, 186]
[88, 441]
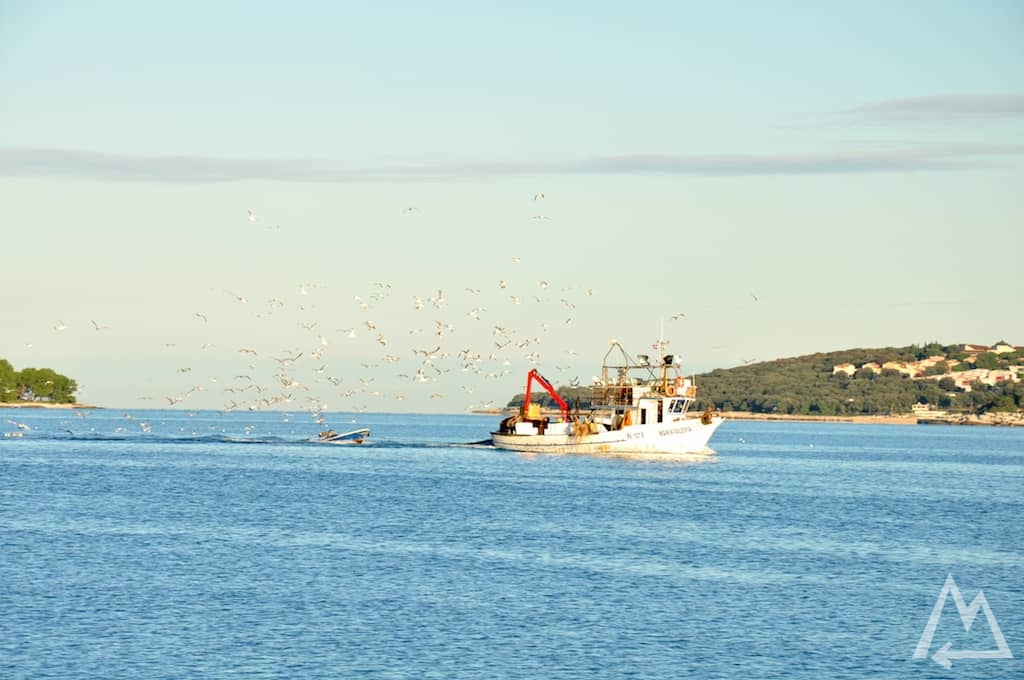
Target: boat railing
[611, 396]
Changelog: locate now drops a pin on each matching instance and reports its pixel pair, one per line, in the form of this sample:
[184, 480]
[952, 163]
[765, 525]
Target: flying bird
[252, 215]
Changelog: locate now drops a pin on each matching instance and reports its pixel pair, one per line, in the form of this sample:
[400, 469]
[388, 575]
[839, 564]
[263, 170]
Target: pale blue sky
[856, 167]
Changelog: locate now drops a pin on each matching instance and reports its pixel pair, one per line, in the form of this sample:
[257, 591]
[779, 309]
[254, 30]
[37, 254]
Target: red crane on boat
[534, 374]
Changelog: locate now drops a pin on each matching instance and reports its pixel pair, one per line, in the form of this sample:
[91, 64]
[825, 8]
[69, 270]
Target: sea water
[176, 544]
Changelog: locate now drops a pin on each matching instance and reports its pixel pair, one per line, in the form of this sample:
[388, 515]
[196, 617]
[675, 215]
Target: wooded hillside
[808, 385]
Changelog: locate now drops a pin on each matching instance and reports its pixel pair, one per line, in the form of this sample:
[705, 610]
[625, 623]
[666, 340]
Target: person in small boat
[327, 434]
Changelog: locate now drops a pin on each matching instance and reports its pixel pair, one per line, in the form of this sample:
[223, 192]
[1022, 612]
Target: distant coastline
[990, 419]
[907, 419]
[44, 404]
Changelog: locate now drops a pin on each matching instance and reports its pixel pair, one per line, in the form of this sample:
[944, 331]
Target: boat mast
[664, 365]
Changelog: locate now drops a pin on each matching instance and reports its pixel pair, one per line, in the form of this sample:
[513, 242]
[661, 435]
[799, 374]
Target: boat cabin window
[677, 406]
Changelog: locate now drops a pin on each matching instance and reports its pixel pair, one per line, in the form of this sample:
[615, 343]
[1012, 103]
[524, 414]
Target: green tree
[8, 382]
[987, 360]
[865, 373]
[37, 384]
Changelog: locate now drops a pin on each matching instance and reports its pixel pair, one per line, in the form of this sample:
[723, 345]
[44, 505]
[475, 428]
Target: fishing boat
[351, 437]
[636, 406]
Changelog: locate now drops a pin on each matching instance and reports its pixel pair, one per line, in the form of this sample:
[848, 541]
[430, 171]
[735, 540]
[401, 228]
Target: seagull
[538, 196]
[60, 326]
[287, 360]
[540, 217]
[98, 327]
[201, 316]
[252, 215]
[753, 296]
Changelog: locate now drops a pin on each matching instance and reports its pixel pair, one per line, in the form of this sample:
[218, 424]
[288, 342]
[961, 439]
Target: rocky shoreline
[994, 419]
[877, 420]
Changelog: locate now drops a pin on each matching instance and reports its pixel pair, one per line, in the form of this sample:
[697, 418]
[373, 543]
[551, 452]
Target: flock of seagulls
[446, 344]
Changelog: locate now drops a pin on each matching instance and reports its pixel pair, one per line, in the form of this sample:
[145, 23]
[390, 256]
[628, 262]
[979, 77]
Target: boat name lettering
[634, 435]
[674, 430]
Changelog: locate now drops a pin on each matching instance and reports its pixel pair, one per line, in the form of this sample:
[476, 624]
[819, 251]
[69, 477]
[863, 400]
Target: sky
[405, 207]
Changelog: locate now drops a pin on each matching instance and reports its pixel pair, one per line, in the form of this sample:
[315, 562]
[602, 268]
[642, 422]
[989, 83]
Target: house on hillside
[901, 367]
[848, 369]
[965, 379]
[976, 349]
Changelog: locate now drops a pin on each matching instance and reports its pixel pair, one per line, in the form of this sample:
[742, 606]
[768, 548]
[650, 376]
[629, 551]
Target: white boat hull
[686, 435]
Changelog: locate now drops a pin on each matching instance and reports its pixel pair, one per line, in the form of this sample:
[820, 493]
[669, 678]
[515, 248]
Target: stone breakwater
[1003, 419]
[1000, 419]
[887, 420]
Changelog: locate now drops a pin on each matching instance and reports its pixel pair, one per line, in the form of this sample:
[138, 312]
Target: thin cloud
[91, 165]
[938, 108]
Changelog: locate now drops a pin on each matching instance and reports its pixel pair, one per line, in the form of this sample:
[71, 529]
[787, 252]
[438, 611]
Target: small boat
[351, 437]
[636, 407]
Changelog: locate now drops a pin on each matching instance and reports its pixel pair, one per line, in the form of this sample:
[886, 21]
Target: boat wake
[137, 437]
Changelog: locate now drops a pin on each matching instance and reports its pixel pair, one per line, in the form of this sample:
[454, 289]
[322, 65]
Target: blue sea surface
[178, 544]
